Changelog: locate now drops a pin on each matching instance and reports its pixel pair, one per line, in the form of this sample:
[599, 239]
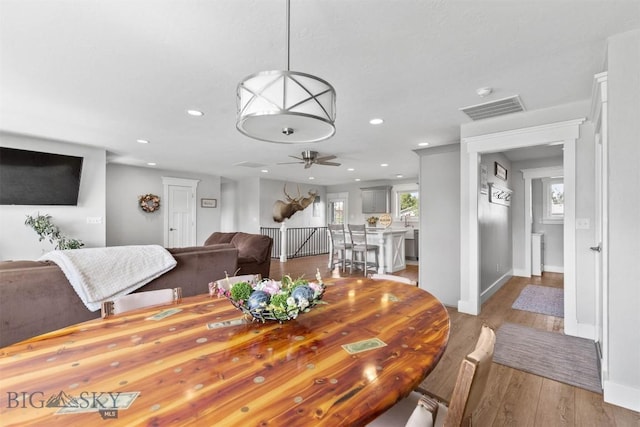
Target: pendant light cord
[288, 34]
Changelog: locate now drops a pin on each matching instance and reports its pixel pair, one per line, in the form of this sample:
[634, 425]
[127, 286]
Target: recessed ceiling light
[423, 144]
[151, 164]
[399, 176]
[311, 177]
[351, 169]
[384, 165]
[357, 179]
[142, 141]
[376, 121]
[264, 171]
[196, 113]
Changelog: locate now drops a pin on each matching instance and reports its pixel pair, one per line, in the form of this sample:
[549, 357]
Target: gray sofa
[36, 297]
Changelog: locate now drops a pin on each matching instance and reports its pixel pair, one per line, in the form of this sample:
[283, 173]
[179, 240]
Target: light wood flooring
[513, 397]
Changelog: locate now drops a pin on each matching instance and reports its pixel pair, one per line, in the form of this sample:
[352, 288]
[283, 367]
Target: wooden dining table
[202, 363]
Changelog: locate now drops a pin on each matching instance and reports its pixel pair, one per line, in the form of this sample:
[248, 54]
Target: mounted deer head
[285, 210]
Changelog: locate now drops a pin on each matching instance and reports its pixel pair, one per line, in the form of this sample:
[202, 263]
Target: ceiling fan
[311, 157]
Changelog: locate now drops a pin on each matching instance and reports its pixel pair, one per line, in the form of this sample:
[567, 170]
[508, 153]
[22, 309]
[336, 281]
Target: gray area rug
[541, 299]
[552, 355]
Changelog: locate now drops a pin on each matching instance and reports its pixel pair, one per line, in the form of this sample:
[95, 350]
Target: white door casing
[567, 133]
[180, 212]
[599, 115]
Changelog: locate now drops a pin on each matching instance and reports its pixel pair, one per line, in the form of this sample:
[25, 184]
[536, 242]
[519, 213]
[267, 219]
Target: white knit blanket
[100, 274]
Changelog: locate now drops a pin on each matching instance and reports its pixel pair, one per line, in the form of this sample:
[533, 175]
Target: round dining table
[201, 362]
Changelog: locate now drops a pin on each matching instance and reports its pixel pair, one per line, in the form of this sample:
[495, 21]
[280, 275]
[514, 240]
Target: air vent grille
[494, 108]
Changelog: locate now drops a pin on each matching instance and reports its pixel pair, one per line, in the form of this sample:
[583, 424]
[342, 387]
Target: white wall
[228, 201]
[248, 205]
[439, 261]
[623, 385]
[21, 242]
[494, 227]
[127, 224]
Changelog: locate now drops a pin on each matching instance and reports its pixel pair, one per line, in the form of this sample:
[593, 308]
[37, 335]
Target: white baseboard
[465, 306]
[622, 395]
[493, 288]
[520, 272]
[553, 268]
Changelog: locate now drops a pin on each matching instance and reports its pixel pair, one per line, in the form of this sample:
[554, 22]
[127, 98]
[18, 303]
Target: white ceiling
[105, 73]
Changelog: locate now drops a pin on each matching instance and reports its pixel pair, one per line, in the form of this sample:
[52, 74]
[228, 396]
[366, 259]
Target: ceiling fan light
[286, 107]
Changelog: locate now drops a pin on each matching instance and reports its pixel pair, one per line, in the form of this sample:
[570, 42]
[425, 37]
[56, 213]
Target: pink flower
[270, 286]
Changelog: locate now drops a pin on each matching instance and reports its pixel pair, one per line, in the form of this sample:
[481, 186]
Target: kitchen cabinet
[376, 199]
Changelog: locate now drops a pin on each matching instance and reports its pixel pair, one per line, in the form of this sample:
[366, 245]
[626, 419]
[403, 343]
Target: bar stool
[339, 246]
[359, 245]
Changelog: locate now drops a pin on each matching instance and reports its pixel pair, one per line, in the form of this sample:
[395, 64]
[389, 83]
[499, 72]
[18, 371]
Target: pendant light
[286, 107]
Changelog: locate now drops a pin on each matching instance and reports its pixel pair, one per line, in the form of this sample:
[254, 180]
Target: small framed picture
[209, 203]
[501, 172]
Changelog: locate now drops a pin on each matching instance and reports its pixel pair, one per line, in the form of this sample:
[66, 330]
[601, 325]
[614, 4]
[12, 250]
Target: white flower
[291, 302]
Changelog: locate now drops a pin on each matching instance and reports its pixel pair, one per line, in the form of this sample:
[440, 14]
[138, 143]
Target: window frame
[400, 189]
[547, 216]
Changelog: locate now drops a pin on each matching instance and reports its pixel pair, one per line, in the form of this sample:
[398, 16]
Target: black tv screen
[36, 178]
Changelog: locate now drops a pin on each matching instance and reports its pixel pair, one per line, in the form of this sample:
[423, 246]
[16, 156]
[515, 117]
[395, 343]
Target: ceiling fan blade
[325, 158]
[328, 163]
[289, 163]
[299, 158]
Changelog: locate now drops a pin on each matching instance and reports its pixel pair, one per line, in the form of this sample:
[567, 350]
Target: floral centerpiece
[270, 299]
[372, 221]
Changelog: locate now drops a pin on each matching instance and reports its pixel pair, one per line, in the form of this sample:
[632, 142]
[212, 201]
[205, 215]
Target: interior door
[180, 213]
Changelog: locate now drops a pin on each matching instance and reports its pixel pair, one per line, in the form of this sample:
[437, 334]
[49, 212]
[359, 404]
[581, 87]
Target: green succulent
[241, 291]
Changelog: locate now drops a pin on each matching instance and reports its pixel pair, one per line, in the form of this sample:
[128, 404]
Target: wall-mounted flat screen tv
[36, 178]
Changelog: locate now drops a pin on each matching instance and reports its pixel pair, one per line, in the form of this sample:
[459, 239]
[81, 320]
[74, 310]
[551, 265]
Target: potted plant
[46, 229]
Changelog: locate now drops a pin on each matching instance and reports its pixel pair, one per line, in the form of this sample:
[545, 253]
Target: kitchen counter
[391, 254]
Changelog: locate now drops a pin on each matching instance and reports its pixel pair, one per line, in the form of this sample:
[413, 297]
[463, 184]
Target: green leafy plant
[45, 229]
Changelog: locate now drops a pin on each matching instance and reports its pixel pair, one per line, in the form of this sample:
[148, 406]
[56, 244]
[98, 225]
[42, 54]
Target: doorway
[565, 133]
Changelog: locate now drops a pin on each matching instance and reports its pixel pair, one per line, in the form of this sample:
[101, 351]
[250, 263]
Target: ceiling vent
[494, 108]
[250, 165]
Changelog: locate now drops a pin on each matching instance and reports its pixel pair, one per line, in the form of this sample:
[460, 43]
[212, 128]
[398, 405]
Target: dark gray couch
[36, 297]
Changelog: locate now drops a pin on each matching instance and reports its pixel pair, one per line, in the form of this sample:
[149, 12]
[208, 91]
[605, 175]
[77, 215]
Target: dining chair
[424, 409]
[360, 248]
[394, 278]
[139, 300]
[229, 281]
[339, 246]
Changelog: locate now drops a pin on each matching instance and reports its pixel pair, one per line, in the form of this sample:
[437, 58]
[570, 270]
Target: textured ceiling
[105, 73]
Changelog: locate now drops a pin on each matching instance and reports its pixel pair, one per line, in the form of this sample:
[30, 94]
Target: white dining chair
[393, 278]
[423, 409]
[339, 246]
[139, 300]
[360, 249]
[229, 281]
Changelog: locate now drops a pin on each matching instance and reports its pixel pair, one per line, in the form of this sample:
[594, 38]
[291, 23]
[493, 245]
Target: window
[407, 207]
[337, 208]
[552, 201]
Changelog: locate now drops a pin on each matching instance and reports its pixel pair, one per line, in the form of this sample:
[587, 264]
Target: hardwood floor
[512, 398]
